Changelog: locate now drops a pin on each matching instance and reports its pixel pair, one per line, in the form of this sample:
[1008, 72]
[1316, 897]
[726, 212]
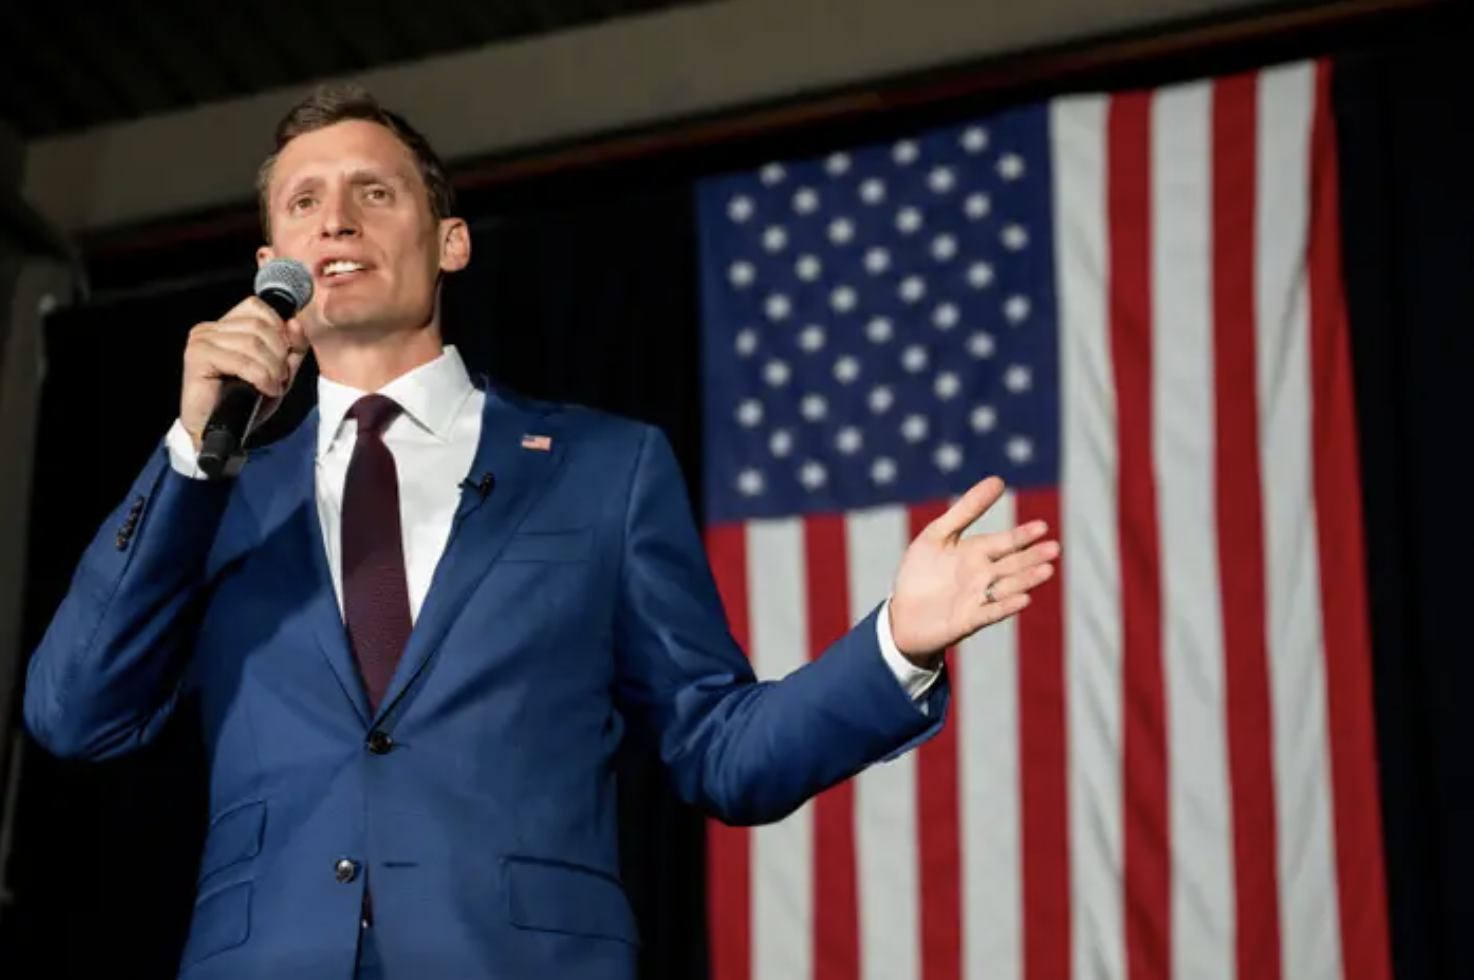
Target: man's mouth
[342, 267]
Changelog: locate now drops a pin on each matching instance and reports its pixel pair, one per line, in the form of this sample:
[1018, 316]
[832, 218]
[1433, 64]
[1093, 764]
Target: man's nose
[338, 219]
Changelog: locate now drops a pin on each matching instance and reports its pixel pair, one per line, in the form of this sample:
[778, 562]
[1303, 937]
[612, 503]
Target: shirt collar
[431, 395]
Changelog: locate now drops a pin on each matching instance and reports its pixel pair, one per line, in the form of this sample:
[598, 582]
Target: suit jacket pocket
[550, 896]
[222, 920]
[575, 545]
[234, 836]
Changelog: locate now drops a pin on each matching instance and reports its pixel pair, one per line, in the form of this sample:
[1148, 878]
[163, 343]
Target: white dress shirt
[433, 442]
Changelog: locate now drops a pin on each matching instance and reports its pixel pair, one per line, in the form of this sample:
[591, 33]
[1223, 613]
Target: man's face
[348, 202]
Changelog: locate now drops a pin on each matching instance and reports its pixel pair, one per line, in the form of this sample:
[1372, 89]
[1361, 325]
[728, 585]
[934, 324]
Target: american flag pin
[540, 443]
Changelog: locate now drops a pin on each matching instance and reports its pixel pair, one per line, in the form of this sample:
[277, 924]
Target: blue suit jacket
[574, 599]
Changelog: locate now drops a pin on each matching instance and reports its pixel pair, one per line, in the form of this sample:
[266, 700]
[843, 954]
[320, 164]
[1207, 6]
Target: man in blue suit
[418, 625]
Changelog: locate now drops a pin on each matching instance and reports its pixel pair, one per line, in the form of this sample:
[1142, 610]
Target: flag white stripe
[1183, 453]
[1089, 534]
[986, 682]
[1311, 942]
[782, 853]
[888, 860]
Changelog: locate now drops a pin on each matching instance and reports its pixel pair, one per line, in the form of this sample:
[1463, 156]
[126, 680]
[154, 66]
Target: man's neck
[371, 366]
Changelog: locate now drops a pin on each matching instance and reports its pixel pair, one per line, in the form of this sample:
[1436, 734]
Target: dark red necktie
[375, 591]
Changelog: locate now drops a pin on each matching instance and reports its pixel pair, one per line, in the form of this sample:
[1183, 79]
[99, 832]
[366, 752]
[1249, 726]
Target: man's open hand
[949, 587]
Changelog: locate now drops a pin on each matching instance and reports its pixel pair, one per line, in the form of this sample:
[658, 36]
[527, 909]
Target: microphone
[285, 285]
[481, 485]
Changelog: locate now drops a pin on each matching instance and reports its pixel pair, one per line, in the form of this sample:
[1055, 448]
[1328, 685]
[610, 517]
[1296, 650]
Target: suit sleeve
[109, 668]
[745, 751]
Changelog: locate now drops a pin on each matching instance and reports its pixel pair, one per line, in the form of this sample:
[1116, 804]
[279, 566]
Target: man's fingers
[1018, 561]
[968, 508]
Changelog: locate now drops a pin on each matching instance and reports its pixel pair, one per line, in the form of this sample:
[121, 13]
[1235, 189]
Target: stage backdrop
[1203, 327]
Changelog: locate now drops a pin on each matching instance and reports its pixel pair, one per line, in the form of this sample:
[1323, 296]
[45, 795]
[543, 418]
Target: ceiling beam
[632, 72]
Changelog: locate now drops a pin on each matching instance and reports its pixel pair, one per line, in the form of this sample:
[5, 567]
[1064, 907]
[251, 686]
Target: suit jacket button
[379, 743]
[345, 870]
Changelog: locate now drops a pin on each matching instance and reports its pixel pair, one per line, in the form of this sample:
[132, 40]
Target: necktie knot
[374, 413]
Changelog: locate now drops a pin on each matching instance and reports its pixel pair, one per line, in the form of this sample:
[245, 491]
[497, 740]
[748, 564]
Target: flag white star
[837, 165]
[740, 208]
[879, 330]
[741, 274]
[775, 238]
[772, 174]
[975, 139]
[812, 475]
[811, 338]
[776, 373]
[945, 316]
[1018, 379]
[905, 152]
[808, 268]
[777, 307]
[983, 419]
[1016, 308]
[814, 407]
[914, 429]
[947, 457]
[806, 200]
[846, 369]
[980, 275]
[746, 342]
[947, 385]
[1011, 166]
[872, 191]
[883, 470]
[841, 231]
[750, 483]
[877, 260]
[881, 399]
[908, 220]
[849, 440]
[943, 247]
[913, 288]
[977, 206]
[780, 443]
[981, 345]
[914, 359]
[1019, 449]
[843, 299]
[941, 180]
[749, 413]
[1014, 237]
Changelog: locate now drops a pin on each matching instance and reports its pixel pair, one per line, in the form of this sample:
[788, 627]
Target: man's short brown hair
[335, 103]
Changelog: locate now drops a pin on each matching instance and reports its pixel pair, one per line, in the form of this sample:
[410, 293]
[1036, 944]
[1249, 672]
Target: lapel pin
[539, 443]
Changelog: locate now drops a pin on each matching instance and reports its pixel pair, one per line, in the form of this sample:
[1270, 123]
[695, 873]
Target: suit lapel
[483, 521]
[291, 481]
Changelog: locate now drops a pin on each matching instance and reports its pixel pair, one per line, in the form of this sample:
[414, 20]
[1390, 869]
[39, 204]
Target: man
[418, 625]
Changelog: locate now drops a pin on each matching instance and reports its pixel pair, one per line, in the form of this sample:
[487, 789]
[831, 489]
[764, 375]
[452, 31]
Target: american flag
[1129, 306]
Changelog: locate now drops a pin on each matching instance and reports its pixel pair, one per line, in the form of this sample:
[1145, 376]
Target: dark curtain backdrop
[584, 289]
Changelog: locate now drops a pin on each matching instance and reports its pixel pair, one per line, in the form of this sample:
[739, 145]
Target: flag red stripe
[1147, 910]
[1043, 764]
[1359, 869]
[728, 849]
[939, 826]
[836, 896]
[1241, 546]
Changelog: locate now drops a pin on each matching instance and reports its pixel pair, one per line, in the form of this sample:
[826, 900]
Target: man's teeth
[335, 268]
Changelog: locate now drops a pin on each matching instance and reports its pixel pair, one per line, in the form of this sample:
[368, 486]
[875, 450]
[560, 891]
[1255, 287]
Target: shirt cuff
[183, 456]
[914, 680]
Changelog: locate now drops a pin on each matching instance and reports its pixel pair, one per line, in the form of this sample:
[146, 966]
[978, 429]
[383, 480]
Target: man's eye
[299, 204]
[378, 194]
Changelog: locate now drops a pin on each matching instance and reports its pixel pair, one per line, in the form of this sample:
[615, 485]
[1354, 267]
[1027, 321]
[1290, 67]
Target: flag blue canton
[879, 326]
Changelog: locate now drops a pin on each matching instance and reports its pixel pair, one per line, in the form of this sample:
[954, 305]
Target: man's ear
[455, 245]
[264, 254]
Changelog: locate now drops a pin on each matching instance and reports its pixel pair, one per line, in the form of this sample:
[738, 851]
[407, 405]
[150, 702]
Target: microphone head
[285, 278]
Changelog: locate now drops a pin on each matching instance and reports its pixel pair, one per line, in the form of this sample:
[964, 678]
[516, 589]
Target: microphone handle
[222, 451]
